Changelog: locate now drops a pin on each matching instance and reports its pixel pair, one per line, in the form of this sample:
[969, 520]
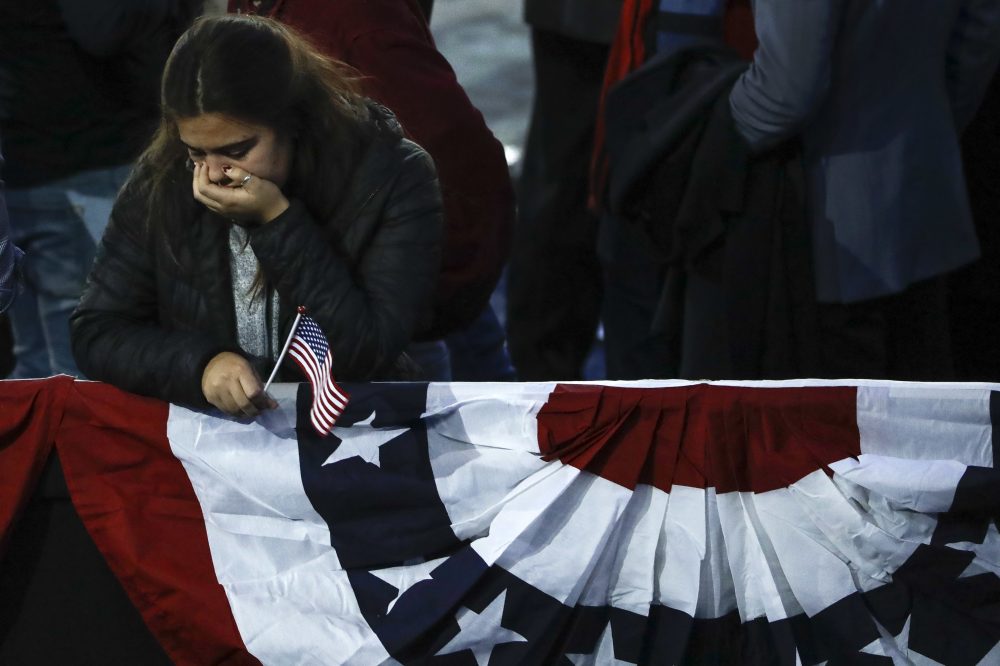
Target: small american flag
[311, 352]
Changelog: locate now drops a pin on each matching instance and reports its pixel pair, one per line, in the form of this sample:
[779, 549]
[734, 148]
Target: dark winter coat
[680, 170]
[365, 275]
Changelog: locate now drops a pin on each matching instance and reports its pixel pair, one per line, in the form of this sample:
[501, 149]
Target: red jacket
[389, 42]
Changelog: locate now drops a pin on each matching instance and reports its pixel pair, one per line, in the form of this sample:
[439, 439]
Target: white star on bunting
[604, 653]
[481, 632]
[363, 441]
[405, 577]
[887, 645]
[987, 553]
[993, 656]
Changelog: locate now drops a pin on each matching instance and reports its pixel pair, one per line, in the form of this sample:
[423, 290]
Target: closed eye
[234, 151]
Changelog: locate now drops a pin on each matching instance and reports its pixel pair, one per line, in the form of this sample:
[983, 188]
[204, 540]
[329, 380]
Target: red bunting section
[703, 436]
[149, 525]
[32, 410]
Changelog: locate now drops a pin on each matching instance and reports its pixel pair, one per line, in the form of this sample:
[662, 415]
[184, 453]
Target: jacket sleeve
[405, 72]
[973, 54]
[790, 74]
[369, 312]
[115, 332]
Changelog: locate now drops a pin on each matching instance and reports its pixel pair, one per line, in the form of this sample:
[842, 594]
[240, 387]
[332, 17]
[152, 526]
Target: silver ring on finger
[246, 179]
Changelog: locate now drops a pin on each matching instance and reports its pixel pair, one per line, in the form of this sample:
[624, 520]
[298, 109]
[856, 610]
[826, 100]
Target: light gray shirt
[257, 313]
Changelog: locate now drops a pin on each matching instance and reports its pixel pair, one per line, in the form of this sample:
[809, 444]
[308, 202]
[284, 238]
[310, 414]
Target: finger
[253, 388]
[198, 183]
[244, 406]
[216, 402]
[224, 197]
[195, 173]
[225, 402]
[222, 200]
[239, 178]
[207, 188]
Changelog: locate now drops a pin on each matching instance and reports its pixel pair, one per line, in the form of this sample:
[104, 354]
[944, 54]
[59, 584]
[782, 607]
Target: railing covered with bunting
[598, 523]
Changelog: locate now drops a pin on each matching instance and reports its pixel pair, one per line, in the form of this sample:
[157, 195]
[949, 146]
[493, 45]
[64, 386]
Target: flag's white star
[993, 656]
[363, 441]
[405, 577]
[481, 632]
[604, 653]
[987, 553]
[887, 645]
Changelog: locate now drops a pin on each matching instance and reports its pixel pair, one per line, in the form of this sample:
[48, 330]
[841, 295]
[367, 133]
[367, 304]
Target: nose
[215, 173]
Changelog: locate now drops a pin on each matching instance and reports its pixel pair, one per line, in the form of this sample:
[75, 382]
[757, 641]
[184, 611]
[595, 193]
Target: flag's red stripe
[327, 420]
[331, 401]
[703, 436]
[322, 405]
[330, 389]
[311, 365]
[323, 413]
[336, 396]
[333, 394]
[334, 387]
[139, 507]
[328, 401]
[325, 394]
[306, 360]
[329, 398]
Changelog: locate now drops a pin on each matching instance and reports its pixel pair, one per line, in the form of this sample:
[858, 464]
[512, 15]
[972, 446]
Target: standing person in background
[10, 254]
[635, 272]
[878, 94]
[389, 43]
[78, 100]
[554, 279]
[974, 291]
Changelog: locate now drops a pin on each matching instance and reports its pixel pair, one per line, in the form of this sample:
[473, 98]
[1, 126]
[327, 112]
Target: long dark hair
[256, 70]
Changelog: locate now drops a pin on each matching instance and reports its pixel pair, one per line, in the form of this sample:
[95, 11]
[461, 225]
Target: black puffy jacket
[366, 276]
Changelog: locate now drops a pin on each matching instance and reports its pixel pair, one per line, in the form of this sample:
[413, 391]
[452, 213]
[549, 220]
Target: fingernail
[226, 168]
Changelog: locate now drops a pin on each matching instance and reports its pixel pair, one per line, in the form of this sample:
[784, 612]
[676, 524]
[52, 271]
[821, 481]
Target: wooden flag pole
[288, 343]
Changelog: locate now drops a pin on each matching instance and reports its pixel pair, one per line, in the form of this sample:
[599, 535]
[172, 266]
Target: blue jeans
[58, 225]
[479, 352]
[432, 359]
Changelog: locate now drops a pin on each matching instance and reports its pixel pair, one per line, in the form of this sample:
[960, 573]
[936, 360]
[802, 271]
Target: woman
[271, 183]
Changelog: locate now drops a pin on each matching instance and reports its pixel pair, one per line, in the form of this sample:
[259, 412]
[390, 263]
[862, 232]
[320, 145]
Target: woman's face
[219, 141]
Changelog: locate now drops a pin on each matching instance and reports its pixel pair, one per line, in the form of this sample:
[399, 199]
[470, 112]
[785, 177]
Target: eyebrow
[230, 147]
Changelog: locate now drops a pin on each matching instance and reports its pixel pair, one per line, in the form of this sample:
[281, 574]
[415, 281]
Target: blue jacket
[878, 91]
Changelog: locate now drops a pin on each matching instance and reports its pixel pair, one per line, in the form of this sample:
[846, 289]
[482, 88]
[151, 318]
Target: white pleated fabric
[583, 539]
